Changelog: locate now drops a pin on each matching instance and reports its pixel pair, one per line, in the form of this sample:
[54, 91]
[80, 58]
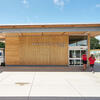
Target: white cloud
[60, 3]
[31, 20]
[98, 5]
[26, 3]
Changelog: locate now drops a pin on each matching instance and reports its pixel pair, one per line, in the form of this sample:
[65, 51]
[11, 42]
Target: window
[78, 41]
[0, 53]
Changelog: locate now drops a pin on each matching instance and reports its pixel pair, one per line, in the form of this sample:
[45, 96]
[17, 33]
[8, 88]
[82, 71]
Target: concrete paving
[49, 85]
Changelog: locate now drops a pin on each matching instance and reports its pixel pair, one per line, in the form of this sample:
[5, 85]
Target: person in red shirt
[92, 61]
[84, 58]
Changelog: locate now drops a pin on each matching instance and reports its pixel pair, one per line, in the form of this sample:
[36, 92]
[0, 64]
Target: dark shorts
[92, 65]
[84, 62]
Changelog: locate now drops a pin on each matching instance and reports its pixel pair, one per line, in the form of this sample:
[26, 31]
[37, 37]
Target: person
[92, 61]
[84, 59]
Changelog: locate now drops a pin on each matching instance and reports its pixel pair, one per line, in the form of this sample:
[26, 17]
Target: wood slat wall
[12, 50]
[27, 49]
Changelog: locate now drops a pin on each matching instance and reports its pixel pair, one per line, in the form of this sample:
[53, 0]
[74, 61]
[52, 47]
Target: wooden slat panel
[39, 50]
[53, 33]
[44, 50]
[12, 50]
[93, 34]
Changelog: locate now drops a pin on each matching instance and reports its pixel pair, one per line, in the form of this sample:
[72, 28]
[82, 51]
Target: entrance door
[75, 54]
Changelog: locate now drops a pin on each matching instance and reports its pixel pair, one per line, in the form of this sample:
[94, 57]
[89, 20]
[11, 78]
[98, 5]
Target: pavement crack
[74, 88]
[31, 85]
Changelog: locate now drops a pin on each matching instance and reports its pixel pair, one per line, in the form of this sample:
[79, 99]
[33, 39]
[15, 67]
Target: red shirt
[84, 57]
[91, 60]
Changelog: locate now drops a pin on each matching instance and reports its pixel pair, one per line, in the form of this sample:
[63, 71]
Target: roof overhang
[92, 29]
[49, 26]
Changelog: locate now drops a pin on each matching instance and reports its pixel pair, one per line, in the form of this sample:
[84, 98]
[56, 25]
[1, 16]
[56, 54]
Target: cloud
[60, 3]
[98, 5]
[32, 20]
[26, 3]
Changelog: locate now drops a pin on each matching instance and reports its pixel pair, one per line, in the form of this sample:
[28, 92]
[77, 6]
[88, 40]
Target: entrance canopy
[57, 29]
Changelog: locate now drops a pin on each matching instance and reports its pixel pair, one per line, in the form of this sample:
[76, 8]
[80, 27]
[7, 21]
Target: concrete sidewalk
[49, 86]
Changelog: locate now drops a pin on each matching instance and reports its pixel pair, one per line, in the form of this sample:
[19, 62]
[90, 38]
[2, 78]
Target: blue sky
[49, 11]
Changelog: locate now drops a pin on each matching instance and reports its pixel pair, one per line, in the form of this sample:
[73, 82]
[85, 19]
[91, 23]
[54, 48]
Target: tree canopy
[94, 43]
[2, 45]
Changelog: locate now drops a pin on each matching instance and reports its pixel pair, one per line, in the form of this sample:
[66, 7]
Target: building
[52, 44]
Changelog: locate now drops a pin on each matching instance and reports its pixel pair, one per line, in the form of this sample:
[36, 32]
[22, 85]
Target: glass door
[75, 55]
[71, 57]
[77, 45]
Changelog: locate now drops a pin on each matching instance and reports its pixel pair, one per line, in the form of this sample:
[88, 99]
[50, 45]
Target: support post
[67, 46]
[88, 46]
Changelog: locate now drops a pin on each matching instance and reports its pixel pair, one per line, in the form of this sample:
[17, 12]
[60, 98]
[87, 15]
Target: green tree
[94, 43]
[2, 45]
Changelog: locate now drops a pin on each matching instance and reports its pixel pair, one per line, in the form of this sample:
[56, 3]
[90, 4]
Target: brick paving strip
[45, 68]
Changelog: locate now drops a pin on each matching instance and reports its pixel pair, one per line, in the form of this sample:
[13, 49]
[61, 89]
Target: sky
[49, 11]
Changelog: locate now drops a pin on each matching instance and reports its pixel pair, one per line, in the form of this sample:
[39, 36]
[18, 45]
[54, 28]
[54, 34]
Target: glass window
[77, 62]
[77, 52]
[77, 40]
[0, 53]
[71, 55]
[71, 62]
[81, 62]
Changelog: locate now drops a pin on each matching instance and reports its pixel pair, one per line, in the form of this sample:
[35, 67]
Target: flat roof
[86, 28]
[48, 26]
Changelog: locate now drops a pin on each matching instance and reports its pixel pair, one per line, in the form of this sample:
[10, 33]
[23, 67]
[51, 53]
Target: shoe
[91, 69]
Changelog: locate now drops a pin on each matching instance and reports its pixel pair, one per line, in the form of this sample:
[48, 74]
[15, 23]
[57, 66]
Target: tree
[94, 43]
[2, 45]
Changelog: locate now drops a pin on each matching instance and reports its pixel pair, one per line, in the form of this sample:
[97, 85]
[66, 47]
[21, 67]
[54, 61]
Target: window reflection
[77, 53]
[77, 62]
[78, 41]
[71, 62]
[71, 55]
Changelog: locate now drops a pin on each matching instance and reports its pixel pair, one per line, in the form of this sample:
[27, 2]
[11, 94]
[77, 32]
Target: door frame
[76, 48]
